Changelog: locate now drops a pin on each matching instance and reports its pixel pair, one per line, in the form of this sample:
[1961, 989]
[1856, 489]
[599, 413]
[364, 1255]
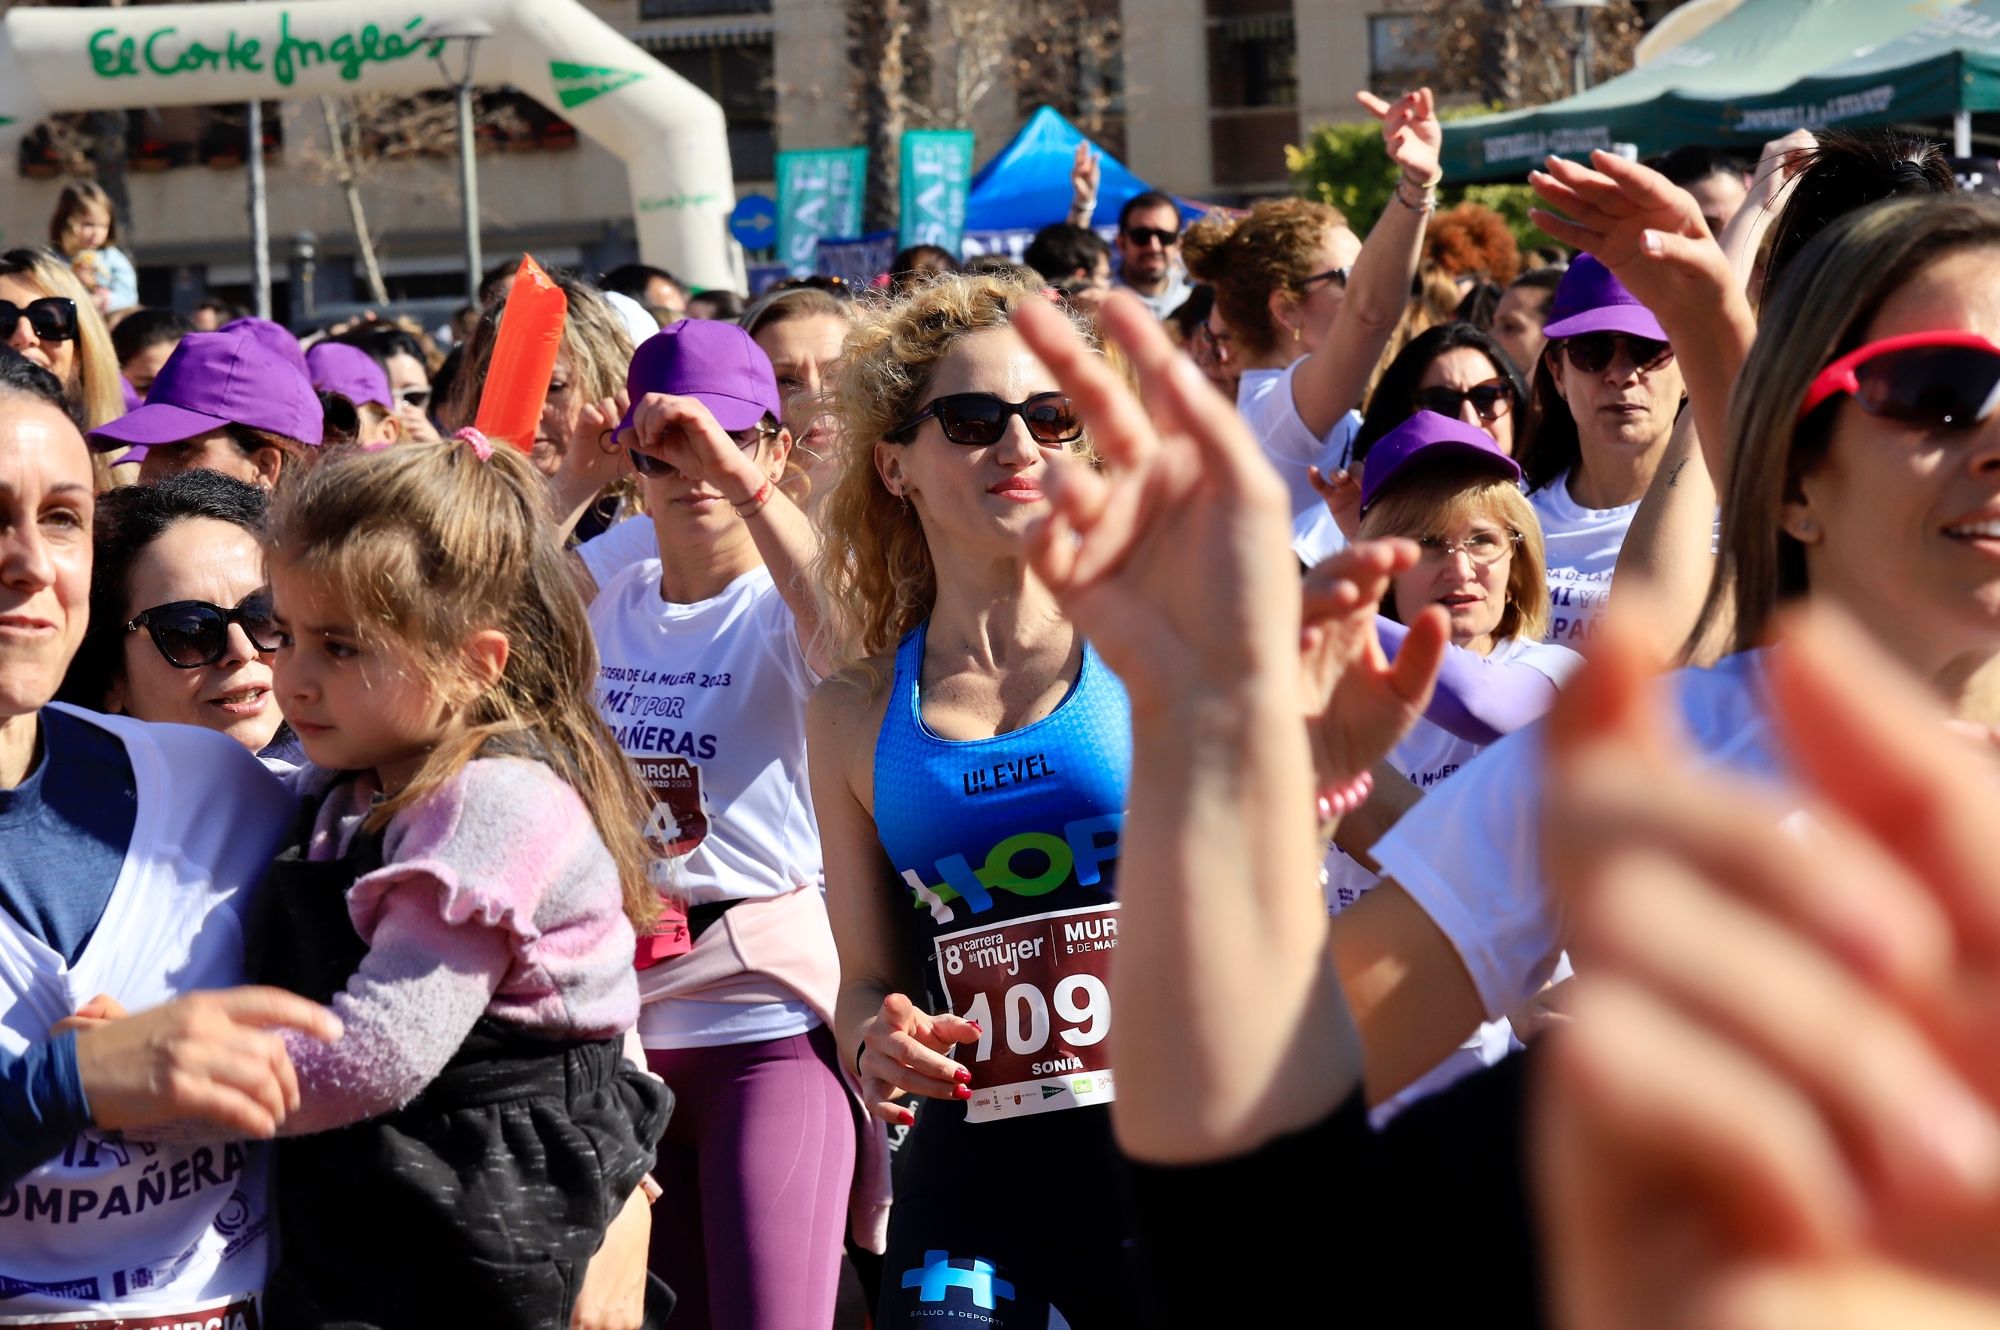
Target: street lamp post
[305, 255]
[1580, 57]
[468, 33]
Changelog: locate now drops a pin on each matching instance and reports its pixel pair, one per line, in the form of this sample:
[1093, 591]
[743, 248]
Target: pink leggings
[755, 1169]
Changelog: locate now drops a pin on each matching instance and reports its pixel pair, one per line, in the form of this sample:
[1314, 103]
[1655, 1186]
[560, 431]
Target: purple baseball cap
[1429, 437]
[348, 370]
[249, 373]
[713, 362]
[1589, 299]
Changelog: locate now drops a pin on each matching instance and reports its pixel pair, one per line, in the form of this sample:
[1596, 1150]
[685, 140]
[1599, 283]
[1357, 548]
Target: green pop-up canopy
[1949, 64]
[1687, 95]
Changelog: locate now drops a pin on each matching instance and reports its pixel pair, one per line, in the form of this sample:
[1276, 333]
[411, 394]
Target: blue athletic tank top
[982, 831]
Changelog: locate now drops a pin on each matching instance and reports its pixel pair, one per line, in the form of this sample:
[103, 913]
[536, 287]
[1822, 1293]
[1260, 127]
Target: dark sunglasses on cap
[1945, 379]
[194, 633]
[746, 439]
[1492, 400]
[1143, 236]
[1589, 353]
[53, 318]
[978, 420]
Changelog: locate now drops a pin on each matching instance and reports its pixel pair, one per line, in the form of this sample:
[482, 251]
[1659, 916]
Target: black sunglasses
[194, 633]
[1589, 353]
[1491, 400]
[1330, 275]
[746, 439]
[1145, 235]
[53, 318]
[977, 420]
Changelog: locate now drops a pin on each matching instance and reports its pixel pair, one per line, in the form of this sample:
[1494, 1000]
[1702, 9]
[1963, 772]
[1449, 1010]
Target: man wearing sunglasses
[1149, 252]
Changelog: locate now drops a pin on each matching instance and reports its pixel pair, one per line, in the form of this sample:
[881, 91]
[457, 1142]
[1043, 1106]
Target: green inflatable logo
[577, 84]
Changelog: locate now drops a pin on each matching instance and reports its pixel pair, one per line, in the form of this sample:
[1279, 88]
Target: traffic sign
[754, 222]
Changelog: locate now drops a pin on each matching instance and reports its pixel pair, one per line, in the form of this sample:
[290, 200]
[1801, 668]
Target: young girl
[464, 891]
[84, 230]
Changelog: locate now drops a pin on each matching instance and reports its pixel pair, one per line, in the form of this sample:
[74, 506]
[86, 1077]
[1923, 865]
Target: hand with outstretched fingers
[681, 432]
[210, 1056]
[1359, 704]
[1410, 131]
[1341, 493]
[1778, 1102]
[905, 1052]
[417, 426]
[1175, 560]
[1647, 230]
[1085, 171]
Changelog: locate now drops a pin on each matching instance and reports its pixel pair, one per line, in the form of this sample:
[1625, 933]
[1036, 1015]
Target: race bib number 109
[1040, 988]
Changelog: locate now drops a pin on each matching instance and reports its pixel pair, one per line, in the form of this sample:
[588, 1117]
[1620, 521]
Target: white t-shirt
[1470, 853]
[1264, 399]
[619, 546]
[1583, 546]
[1316, 537]
[709, 702]
[113, 1227]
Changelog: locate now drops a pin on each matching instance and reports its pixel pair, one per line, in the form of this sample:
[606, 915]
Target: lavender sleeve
[415, 997]
[1476, 699]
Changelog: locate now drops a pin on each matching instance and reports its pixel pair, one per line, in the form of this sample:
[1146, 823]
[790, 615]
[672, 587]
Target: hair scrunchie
[482, 447]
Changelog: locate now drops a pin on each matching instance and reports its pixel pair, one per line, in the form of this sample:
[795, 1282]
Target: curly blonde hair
[1246, 259]
[875, 577]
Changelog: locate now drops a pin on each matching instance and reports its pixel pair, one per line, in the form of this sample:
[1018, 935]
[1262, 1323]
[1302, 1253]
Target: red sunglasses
[1944, 379]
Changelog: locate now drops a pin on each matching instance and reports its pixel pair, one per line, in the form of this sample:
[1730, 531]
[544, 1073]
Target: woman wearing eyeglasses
[1606, 394]
[180, 627]
[705, 671]
[1308, 308]
[48, 316]
[969, 772]
[1454, 370]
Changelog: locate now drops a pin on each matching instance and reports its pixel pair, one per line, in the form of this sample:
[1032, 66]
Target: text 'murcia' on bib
[1007, 850]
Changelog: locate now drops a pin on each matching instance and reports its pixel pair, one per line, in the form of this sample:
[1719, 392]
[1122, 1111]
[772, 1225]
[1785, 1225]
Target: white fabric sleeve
[1273, 417]
[611, 552]
[1469, 854]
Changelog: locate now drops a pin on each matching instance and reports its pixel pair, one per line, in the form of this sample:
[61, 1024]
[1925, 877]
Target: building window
[1253, 61]
[741, 78]
[1393, 50]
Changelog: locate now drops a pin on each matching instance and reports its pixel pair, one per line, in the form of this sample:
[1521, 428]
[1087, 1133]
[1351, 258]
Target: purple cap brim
[1431, 453]
[154, 423]
[732, 413]
[1633, 320]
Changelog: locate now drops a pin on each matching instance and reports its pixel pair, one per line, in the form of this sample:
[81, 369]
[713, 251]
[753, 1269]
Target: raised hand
[1646, 229]
[1341, 493]
[1358, 704]
[1085, 173]
[681, 432]
[1410, 132]
[1779, 1101]
[906, 1051]
[1175, 560]
[598, 421]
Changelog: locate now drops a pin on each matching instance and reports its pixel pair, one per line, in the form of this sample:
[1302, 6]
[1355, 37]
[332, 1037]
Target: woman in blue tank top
[969, 772]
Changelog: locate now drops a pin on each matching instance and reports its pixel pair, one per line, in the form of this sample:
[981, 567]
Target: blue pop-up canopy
[1026, 184]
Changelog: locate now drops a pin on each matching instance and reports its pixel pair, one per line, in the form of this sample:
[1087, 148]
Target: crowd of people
[641, 873]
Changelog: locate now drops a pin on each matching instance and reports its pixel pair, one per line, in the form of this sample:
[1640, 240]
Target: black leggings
[995, 1222]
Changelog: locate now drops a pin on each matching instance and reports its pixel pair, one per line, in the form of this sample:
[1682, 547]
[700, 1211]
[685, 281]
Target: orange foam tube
[524, 358]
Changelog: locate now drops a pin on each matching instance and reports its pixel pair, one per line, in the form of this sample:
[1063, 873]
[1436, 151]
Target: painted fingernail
[909, 1118]
[977, 1026]
[1652, 243]
[962, 1076]
[963, 1091]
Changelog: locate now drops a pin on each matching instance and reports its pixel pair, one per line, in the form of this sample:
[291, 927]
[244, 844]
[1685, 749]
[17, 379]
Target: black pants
[995, 1222]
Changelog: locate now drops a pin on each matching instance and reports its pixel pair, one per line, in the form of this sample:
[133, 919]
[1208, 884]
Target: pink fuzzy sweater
[496, 898]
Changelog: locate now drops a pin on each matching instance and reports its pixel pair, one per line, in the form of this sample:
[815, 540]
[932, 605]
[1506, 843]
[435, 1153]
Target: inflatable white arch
[669, 133]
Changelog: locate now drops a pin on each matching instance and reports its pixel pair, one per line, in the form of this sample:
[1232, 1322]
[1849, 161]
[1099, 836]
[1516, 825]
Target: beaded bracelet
[1338, 801]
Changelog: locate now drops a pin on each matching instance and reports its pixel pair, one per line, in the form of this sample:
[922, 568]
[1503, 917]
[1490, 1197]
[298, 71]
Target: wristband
[751, 506]
[1424, 185]
[1337, 801]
